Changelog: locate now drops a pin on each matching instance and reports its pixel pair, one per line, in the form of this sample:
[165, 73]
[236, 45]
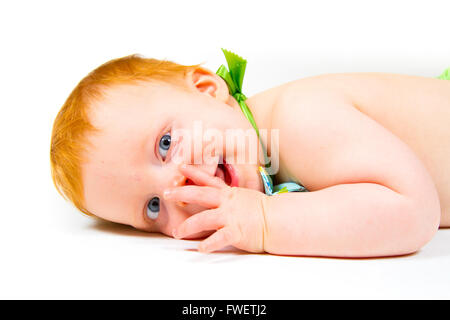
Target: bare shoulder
[301, 111]
[325, 140]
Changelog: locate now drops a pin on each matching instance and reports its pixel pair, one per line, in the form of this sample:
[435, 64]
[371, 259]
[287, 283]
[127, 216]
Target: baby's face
[137, 154]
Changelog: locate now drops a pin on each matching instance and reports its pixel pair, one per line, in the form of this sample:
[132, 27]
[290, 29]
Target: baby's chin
[255, 185]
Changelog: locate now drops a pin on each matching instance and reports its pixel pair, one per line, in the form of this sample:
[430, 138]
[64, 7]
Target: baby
[146, 143]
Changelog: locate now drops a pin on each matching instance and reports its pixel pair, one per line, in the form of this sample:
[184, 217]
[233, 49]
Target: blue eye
[164, 145]
[153, 208]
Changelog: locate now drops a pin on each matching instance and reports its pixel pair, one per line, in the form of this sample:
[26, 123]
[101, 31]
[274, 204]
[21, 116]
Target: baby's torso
[416, 109]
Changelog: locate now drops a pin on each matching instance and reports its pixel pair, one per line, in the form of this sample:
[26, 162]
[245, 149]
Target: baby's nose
[180, 181]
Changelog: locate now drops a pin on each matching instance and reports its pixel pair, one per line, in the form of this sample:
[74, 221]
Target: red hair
[71, 126]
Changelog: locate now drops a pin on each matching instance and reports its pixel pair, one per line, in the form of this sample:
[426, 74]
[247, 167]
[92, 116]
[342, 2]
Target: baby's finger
[219, 239]
[200, 177]
[206, 220]
[205, 196]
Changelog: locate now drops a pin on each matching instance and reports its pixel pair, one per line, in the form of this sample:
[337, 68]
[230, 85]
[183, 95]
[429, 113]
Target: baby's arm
[346, 220]
[370, 195]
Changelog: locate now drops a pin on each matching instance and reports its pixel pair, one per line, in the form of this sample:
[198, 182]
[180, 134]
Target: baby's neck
[261, 105]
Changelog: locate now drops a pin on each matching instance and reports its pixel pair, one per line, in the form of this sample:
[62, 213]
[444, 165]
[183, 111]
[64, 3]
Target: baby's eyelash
[157, 145]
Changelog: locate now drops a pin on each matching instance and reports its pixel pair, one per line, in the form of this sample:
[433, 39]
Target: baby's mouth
[227, 173]
[222, 173]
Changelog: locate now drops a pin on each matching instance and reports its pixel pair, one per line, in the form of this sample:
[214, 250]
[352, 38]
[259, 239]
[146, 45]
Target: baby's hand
[236, 213]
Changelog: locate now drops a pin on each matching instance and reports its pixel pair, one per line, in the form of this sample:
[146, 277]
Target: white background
[49, 250]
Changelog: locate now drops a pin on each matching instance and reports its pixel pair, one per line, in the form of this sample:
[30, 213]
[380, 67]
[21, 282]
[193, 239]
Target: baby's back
[416, 109]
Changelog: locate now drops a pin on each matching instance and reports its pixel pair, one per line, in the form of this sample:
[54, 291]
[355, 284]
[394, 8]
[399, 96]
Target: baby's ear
[207, 82]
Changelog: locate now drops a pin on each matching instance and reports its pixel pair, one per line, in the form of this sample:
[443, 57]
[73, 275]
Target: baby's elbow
[423, 223]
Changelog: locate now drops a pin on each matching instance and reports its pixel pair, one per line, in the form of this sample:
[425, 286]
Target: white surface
[48, 250]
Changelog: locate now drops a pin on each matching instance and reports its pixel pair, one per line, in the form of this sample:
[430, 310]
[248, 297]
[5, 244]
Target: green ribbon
[234, 78]
[445, 75]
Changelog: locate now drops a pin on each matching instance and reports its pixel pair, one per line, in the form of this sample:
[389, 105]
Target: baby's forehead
[106, 185]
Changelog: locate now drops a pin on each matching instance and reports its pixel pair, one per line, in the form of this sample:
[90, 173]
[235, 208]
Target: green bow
[234, 79]
[445, 75]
